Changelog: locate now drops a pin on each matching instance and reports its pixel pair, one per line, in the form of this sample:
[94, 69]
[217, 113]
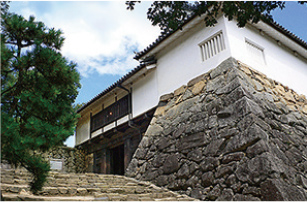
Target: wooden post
[91, 125]
[127, 152]
[108, 161]
[104, 162]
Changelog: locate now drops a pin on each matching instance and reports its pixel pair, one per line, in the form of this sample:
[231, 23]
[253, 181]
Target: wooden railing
[113, 112]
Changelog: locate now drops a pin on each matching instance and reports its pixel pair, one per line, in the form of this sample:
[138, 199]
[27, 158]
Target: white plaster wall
[182, 61]
[109, 127]
[82, 132]
[97, 132]
[280, 63]
[122, 120]
[177, 64]
[145, 94]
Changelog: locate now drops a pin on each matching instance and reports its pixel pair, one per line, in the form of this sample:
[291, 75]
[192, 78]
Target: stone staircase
[83, 187]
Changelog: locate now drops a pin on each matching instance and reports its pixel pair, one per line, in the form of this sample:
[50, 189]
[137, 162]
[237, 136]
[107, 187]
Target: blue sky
[102, 36]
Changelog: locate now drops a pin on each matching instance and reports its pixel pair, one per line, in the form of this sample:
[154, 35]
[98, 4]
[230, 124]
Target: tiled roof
[115, 84]
[275, 25]
[161, 38]
[289, 34]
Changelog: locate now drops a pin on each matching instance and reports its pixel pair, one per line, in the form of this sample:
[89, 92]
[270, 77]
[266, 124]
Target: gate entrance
[98, 161]
[117, 160]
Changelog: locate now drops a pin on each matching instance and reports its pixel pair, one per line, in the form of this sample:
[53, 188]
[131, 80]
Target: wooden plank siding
[112, 113]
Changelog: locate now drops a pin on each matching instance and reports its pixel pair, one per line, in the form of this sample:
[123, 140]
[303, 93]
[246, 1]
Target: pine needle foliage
[170, 15]
[38, 88]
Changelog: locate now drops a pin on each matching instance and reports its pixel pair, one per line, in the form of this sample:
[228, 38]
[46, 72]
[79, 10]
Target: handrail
[112, 113]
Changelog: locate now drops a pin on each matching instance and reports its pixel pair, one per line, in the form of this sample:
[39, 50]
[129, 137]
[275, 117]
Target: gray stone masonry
[229, 134]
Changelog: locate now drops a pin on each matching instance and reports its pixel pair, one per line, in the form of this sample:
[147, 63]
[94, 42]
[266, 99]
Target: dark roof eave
[116, 84]
[161, 38]
[287, 33]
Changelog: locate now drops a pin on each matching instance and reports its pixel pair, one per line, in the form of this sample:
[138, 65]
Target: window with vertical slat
[255, 51]
[212, 46]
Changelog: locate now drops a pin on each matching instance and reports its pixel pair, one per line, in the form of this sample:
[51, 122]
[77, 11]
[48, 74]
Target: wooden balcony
[112, 113]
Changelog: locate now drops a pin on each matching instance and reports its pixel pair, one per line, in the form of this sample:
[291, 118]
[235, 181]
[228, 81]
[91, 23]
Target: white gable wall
[145, 94]
[176, 66]
[280, 62]
[83, 131]
[182, 61]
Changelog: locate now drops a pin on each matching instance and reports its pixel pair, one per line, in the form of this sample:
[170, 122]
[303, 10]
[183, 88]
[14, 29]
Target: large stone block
[225, 169]
[195, 155]
[162, 180]
[278, 190]
[235, 83]
[193, 167]
[215, 147]
[226, 195]
[241, 197]
[179, 130]
[258, 148]
[236, 95]
[245, 106]
[237, 156]
[183, 172]
[259, 168]
[215, 84]
[153, 130]
[180, 90]
[192, 141]
[294, 155]
[222, 68]
[171, 164]
[214, 193]
[198, 87]
[164, 142]
[166, 97]
[197, 79]
[159, 160]
[150, 175]
[209, 163]
[140, 153]
[207, 179]
[251, 119]
[246, 138]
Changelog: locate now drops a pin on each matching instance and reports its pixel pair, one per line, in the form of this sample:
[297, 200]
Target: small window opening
[212, 46]
[255, 51]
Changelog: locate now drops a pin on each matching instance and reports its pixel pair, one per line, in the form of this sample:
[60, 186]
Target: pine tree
[38, 88]
[170, 15]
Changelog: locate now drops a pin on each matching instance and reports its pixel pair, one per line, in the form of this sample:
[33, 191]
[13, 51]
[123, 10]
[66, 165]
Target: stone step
[67, 182]
[10, 188]
[88, 186]
[70, 183]
[90, 190]
[29, 197]
[139, 197]
[110, 197]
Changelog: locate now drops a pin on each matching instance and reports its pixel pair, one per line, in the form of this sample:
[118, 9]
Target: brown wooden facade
[112, 113]
[113, 150]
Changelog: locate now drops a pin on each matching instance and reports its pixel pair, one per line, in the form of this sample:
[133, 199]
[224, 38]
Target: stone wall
[74, 160]
[71, 160]
[230, 134]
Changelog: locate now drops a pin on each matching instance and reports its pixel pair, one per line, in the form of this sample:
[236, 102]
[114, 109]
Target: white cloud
[99, 36]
